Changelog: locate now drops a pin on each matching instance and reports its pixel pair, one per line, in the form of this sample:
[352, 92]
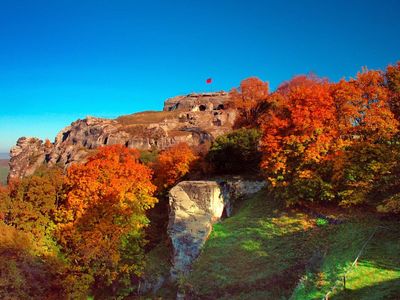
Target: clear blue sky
[63, 60]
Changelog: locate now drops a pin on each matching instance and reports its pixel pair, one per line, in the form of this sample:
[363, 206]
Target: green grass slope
[375, 276]
[265, 251]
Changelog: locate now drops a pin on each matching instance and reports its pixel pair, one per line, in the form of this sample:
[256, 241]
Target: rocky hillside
[194, 119]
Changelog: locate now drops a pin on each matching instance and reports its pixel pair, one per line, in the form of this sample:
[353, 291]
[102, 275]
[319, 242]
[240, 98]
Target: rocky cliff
[198, 102]
[194, 119]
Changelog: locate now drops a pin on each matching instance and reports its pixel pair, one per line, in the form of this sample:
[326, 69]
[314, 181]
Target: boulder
[194, 207]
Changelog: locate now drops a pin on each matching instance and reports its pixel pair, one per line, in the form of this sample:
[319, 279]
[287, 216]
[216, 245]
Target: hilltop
[194, 119]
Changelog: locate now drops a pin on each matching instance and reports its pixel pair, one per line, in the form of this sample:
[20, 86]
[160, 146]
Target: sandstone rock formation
[194, 207]
[198, 102]
[144, 131]
[26, 157]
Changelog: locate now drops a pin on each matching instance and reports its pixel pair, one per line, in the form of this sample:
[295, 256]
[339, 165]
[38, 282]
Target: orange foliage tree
[375, 120]
[250, 100]
[392, 76]
[369, 129]
[105, 208]
[172, 164]
[313, 134]
[301, 129]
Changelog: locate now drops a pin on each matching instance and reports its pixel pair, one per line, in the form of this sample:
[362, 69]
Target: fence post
[344, 282]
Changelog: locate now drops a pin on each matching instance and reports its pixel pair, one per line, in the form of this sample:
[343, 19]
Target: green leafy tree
[236, 152]
[32, 204]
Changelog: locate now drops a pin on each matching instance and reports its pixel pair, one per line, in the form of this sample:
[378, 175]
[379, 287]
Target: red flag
[209, 80]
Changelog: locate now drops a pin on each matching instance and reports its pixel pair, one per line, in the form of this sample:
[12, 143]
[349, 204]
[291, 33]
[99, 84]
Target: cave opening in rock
[65, 135]
[174, 107]
[202, 107]
[217, 122]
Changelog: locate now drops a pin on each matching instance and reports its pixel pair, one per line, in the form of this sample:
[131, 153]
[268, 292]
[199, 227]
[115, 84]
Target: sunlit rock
[194, 207]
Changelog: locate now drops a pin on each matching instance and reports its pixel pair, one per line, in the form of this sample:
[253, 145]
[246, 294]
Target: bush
[236, 152]
[148, 157]
[366, 173]
[321, 222]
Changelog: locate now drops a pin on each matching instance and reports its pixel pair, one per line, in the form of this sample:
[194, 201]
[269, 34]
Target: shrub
[236, 152]
[321, 222]
[148, 157]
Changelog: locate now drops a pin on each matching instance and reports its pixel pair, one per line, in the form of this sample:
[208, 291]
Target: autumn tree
[308, 80]
[27, 271]
[105, 208]
[375, 120]
[367, 173]
[392, 76]
[32, 203]
[30, 266]
[250, 100]
[172, 164]
[299, 133]
[320, 137]
[346, 96]
[369, 127]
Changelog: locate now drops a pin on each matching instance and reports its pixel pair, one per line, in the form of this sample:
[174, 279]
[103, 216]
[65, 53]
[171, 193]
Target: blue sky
[63, 60]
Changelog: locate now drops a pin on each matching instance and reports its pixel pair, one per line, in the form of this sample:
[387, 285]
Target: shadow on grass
[266, 249]
[262, 248]
[378, 262]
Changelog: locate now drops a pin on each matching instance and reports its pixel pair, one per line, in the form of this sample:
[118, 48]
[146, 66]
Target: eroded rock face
[194, 207]
[198, 102]
[28, 154]
[143, 131]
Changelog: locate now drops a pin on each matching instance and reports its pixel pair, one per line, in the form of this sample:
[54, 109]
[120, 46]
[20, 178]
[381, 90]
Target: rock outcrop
[198, 102]
[144, 131]
[28, 154]
[194, 207]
